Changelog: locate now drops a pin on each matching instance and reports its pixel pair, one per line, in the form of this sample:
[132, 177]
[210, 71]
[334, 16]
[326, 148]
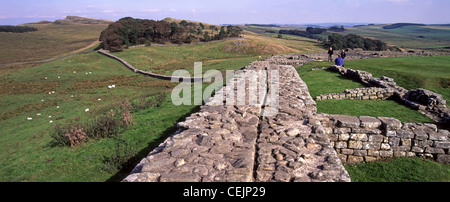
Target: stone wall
[234, 143]
[365, 139]
[429, 103]
[359, 94]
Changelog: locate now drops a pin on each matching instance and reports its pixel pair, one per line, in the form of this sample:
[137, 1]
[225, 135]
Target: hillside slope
[52, 39]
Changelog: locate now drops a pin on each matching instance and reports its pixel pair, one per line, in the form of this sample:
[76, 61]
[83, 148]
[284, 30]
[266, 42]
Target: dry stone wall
[231, 142]
[365, 139]
[428, 102]
[237, 143]
[359, 94]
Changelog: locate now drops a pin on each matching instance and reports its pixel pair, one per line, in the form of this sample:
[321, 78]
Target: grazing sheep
[86, 110]
[29, 118]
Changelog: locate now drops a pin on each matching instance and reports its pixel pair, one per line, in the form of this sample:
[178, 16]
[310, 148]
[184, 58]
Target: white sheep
[29, 118]
[86, 110]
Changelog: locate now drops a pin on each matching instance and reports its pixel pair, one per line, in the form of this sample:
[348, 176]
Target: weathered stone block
[373, 153]
[376, 138]
[346, 121]
[417, 149]
[355, 144]
[390, 123]
[399, 153]
[405, 142]
[390, 133]
[340, 145]
[341, 130]
[405, 134]
[420, 134]
[437, 136]
[385, 146]
[422, 143]
[346, 151]
[442, 144]
[369, 122]
[370, 158]
[394, 141]
[432, 150]
[361, 137]
[360, 152]
[443, 158]
[355, 159]
[386, 153]
[371, 145]
[344, 137]
[401, 148]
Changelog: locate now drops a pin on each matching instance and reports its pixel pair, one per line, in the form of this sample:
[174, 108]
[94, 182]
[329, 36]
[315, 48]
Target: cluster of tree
[17, 29]
[338, 41]
[398, 25]
[336, 29]
[129, 31]
[312, 30]
[300, 33]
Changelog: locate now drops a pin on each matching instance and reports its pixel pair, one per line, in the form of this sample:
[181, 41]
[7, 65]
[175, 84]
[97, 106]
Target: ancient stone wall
[234, 143]
[430, 103]
[365, 139]
[359, 94]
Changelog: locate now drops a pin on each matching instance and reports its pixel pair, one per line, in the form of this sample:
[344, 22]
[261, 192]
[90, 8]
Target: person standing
[330, 55]
[343, 54]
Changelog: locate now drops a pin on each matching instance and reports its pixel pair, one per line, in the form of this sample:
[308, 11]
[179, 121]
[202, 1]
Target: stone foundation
[359, 94]
[365, 139]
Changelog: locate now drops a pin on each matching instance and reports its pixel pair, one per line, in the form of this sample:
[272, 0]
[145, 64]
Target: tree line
[337, 41]
[17, 29]
[129, 31]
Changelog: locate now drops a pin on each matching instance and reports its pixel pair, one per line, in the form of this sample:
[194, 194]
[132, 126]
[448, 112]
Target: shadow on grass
[131, 164]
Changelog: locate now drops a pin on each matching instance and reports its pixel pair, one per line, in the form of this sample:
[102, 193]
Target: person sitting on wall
[339, 61]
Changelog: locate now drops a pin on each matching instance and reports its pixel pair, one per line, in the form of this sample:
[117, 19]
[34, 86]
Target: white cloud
[173, 10]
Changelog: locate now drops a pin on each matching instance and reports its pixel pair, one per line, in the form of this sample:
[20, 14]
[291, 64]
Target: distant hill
[83, 20]
[76, 19]
[398, 25]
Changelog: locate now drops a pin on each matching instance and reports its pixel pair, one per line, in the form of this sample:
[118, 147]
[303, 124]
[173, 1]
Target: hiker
[339, 61]
[343, 54]
[330, 55]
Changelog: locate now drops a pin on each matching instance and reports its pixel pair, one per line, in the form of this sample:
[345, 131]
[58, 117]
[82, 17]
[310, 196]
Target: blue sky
[233, 11]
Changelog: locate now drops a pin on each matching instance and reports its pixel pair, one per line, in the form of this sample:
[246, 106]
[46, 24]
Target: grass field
[27, 154]
[420, 37]
[400, 170]
[49, 41]
[321, 82]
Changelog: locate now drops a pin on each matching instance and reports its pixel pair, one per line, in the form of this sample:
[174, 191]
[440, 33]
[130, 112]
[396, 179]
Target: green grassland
[418, 37]
[49, 41]
[321, 82]
[27, 154]
[400, 170]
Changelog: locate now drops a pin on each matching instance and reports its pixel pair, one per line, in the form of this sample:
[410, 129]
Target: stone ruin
[235, 143]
